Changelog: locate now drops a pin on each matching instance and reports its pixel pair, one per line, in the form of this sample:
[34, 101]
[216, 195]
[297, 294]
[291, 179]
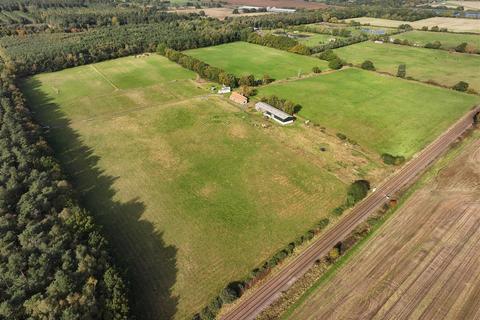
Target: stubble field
[422, 264]
[191, 192]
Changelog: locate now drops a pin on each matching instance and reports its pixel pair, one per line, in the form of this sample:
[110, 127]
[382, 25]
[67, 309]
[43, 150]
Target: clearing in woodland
[422, 264]
[243, 58]
[191, 192]
[443, 67]
[382, 113]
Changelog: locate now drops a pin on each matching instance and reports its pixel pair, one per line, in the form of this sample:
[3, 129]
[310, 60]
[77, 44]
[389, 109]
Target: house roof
[278, 113]
[238, 97]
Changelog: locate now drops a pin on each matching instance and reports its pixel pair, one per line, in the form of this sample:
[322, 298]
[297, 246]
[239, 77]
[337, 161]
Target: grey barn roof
[262, 106]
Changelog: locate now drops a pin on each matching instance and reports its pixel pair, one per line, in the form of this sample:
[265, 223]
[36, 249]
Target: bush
[434, 45]
[392, 160]
[461, 47]
[461, 86]
[335, 64]
[402, 71]
[357, 191]
[341, 136]
[316, 70]
[328, 55]
[368, 65]
[267, 79]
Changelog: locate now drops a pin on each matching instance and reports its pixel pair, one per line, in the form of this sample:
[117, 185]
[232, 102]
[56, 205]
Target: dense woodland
[54, 263]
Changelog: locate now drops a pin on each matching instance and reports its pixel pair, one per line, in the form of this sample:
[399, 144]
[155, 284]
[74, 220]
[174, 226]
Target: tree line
[36, 53]
[54, 262]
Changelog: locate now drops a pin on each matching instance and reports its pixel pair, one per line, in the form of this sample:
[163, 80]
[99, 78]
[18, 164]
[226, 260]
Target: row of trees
[205, 70]
[54, 262]
[286, 106]
[279, 42]
[49, 52]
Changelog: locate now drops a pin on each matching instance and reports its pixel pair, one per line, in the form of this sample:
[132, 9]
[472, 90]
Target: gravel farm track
[272, 288]
[423, 263]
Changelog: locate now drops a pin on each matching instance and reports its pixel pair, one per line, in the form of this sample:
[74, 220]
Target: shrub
[316, 70]
[368, 65]
[341, 136]
[434, 45]
[424, 28]
[267, 79]
[461, 47]
[461, 86]
[247, 80]
[357, 191]
[335, 64]
[402, 71]
[392, 160]
[328, 55]
[300, 49]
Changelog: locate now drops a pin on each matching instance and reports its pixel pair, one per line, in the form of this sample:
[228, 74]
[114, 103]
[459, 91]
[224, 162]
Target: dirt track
[270, 290]
[423, 264]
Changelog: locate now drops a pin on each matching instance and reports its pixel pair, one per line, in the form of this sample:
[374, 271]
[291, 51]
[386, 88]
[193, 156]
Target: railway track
[271, 289]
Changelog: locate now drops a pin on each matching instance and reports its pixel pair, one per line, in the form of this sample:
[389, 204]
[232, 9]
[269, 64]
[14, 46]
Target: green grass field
[382, 113]
[447, 39]
[241, 58]
[446, 68]
[315, 39]
[190, 191]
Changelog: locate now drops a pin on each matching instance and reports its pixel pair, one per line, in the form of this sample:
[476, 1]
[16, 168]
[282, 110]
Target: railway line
[271, 289]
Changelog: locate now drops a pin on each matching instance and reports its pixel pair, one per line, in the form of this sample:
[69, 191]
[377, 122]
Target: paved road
[271, 289]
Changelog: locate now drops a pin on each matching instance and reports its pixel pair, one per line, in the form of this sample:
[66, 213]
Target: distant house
[224, 89]
[280, 10]
[238, 98]
[273, 113]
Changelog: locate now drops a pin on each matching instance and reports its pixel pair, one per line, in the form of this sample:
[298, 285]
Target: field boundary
[104, 77]
[268, 292]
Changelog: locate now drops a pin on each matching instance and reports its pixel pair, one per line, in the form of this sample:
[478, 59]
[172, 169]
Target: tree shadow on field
[138, 249]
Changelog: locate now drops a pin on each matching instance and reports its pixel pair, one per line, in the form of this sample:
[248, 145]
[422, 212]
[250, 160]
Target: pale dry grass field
[452, 24]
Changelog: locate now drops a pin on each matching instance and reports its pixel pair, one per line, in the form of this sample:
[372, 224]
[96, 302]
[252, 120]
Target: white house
[224, 89]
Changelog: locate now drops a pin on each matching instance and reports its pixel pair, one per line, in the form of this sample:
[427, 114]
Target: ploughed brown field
[422, 264]
[278, 3]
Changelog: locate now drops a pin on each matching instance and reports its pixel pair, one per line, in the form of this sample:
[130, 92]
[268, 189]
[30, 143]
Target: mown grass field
[447, 39]
[315, 39]
[190, 193]
[443, 67]
[242, 58]
[382, 113]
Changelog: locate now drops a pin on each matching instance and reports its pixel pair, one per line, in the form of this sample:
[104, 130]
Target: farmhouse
[224, 89]
[238, 98]
[273, 113]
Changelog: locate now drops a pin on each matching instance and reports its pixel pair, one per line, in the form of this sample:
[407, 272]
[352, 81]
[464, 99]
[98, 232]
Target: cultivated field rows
[422, 264]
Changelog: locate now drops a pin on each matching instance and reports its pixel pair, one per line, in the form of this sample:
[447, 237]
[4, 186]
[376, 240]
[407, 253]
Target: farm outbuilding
[238, 98]
[273, 113]
[224, 89]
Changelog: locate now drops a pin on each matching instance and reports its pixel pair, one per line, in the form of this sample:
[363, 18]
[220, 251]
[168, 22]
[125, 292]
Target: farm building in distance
[273, 113]
[224, 89]
[238, 98]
